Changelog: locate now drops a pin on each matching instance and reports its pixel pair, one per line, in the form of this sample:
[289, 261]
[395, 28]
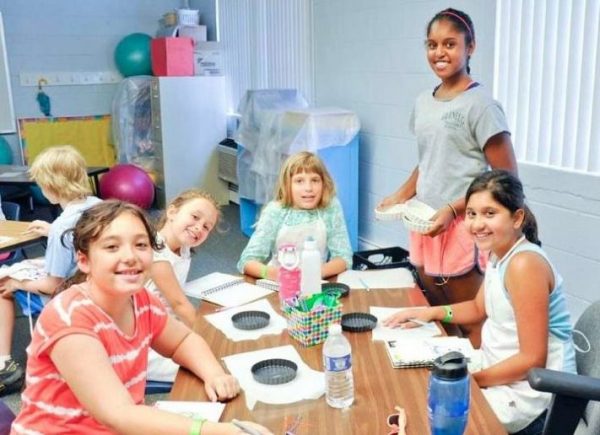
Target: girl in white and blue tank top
[526, 321]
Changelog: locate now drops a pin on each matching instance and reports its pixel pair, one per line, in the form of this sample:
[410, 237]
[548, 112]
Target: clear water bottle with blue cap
[449, 395]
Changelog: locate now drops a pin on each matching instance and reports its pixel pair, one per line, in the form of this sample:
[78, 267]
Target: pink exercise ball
[128, 183]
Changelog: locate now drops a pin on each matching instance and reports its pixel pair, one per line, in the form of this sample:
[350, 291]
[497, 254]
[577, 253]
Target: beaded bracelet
[448, 314]
[454, 212]
[196, 428]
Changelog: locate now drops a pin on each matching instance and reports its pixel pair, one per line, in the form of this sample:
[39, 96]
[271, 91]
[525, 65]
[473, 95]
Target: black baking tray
[274, 371]
[250, 320]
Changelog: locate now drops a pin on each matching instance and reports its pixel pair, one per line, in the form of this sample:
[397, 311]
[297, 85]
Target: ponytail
[529, 227]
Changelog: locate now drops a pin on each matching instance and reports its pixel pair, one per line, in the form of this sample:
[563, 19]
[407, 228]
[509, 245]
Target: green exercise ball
[6, 157]
[132, 55]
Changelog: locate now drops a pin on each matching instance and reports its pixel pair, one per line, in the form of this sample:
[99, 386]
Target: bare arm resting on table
[85, 366]
[530, 299]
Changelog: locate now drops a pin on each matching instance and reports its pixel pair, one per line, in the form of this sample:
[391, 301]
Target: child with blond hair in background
[61, 173]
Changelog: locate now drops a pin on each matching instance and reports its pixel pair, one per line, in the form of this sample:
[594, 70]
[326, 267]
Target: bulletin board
[90, 135]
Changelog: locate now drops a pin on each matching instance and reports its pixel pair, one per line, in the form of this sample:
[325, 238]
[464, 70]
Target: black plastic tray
[250, 320]
[274, 371]
[358, 322]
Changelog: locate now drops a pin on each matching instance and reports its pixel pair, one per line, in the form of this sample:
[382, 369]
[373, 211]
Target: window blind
[547, 76]
[267, 44]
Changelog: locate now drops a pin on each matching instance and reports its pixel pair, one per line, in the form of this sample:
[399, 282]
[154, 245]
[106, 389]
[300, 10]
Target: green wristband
[448, 314]
[263, 271]
[196, 428]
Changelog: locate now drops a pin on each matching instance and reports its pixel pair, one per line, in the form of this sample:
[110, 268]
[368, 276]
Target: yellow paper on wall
[90, 135]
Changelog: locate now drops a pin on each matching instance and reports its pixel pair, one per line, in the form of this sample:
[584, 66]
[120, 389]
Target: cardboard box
[172, 56]
[208, 59]
[197, 33]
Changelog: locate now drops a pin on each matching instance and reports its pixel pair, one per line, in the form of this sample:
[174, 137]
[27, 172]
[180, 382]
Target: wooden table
[15, 230]
[378, 386]
[15, 175]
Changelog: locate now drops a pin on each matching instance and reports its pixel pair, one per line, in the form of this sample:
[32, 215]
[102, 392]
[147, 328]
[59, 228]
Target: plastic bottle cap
[335, 329]
[450, 366]
[310, 243]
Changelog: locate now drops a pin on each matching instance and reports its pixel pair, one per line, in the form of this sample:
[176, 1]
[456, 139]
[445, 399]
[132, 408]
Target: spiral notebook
[225, 290]
[422, 352]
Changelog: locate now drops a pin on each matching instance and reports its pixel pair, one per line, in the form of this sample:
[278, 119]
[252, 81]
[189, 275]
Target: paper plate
[274, 371]
[358, 322]
[417, 226]
[249, 320]
[391, 213]
[416, 210]
[417, 216]
[335, 287]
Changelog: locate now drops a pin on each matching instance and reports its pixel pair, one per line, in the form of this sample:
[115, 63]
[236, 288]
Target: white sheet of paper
[308, 384]
[222, 321]
[385, 333]
[209, 410]
[399, 277]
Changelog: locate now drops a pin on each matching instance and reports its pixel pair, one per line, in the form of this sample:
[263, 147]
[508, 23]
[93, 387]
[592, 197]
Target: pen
[418, 322]
[362, 281]
[244, 427]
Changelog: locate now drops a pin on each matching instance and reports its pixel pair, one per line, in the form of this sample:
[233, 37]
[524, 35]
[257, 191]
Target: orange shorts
[452, 253]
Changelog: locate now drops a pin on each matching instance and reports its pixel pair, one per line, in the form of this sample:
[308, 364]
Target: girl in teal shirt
[305, 205]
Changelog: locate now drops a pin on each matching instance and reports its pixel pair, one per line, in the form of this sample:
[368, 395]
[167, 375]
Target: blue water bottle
[449, 394]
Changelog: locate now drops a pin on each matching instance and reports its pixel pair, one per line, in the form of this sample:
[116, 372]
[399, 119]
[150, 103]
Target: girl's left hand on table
[221, 387]
[441, 221]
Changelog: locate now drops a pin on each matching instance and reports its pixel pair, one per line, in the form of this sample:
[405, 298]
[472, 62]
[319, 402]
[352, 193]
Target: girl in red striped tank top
[87, 361]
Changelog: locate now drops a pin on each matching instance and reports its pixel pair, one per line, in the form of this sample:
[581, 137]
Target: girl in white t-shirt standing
[186, 224]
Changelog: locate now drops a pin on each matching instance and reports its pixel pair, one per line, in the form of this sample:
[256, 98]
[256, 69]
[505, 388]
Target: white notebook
[422, 352]
[225, 290]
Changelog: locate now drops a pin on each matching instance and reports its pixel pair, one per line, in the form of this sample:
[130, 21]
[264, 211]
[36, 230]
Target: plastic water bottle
[448, 402]
[337, 360]
[310, 275]
[289, 272]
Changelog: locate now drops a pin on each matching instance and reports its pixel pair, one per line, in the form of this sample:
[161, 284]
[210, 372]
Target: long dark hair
[507, 190]
[461, 22]
[92, 224]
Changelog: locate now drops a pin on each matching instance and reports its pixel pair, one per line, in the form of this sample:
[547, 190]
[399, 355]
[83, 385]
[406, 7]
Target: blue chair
[12, 212]
[157, 387]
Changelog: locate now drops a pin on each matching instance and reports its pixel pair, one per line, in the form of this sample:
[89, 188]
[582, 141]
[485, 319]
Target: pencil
[362, 281]
[244, 427]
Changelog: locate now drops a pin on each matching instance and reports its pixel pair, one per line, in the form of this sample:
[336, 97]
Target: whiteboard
[7, 113]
